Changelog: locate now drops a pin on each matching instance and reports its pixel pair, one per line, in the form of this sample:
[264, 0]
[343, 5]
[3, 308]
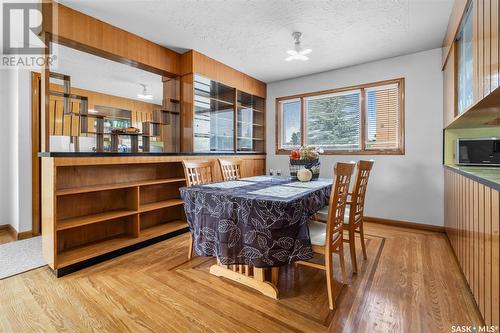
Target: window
[333, 121]
[366, 119]
[290, 118]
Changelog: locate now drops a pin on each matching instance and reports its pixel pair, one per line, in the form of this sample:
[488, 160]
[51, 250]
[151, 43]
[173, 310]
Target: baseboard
[14, 234]
[24, 235]
[405, 224]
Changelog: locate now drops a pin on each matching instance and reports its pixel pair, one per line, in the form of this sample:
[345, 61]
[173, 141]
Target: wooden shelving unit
[98, 209]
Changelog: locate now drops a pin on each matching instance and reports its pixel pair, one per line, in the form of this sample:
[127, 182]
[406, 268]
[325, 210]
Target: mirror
[100, 105]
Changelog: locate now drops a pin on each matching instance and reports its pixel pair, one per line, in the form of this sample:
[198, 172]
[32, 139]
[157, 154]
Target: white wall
[7, 98]
[15, 149]
[409, 187]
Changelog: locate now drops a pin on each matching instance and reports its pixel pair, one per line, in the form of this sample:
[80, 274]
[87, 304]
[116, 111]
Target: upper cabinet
[222, 109]
[226, 119]
[250, 123]
[470, 63]
[465, 62]
[213, 116]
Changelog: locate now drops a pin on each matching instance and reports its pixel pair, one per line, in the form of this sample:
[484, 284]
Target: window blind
[333, 121]
[382, 118]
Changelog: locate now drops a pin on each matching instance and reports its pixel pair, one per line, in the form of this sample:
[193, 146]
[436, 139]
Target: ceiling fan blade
[306, 51]
[292, 52]
[290, 58]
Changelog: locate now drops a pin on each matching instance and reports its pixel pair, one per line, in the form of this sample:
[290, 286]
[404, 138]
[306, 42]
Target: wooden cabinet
[485, 55]
[93, 206]
[472, 224]
[486, 47]
[221, 118]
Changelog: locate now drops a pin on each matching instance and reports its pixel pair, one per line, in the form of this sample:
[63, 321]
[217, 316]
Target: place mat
[258, 178]
[311, 184]
[229, 184]
[280, 191]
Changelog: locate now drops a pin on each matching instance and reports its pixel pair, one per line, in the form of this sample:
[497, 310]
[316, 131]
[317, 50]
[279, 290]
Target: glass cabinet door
[250, 123]
[213, 125]
[465, 62]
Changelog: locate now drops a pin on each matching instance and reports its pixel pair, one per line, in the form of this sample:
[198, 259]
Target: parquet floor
[410, 283]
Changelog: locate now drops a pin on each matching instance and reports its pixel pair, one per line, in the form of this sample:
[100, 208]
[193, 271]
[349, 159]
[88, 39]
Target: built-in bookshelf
[99, 209]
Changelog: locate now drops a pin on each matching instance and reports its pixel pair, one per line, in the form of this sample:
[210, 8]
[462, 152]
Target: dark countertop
[489, 176]
[94, 154]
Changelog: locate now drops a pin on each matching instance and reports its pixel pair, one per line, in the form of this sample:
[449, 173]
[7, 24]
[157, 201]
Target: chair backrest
[198, 172]
[359, 191]
[230, 169]
[338, 200]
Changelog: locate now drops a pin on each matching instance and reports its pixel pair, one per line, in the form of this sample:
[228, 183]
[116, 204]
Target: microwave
[478, 151]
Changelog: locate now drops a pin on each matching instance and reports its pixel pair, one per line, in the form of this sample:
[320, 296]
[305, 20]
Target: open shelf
[96, 188]
[162, 229]
[159, 205]
[93, 218]
[91, 250]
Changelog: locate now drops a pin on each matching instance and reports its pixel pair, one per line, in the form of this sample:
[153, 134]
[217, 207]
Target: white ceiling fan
[297, 53]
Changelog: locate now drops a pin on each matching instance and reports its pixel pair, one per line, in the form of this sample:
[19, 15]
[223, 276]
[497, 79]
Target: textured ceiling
[253, 35]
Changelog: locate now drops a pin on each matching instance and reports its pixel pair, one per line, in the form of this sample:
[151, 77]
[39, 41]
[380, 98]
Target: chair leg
[329, 280]
[191, 250]
[362, 237]
[352, 247]
[342, 263]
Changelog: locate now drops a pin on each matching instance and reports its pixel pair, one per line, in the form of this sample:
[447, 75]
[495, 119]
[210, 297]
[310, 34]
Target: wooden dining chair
[230, 169]
[327, 238]
[354, 212]
[197, 173]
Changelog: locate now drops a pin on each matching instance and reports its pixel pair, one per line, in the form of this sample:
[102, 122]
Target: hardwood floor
[410, 283]
[5, 237]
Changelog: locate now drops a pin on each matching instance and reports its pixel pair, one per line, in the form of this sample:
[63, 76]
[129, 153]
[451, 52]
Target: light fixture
[297, 53]
[145, 94]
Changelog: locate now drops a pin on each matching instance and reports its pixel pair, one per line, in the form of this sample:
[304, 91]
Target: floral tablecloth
[260, 221]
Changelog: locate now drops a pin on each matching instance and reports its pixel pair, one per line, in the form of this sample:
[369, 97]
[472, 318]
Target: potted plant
[305, 158]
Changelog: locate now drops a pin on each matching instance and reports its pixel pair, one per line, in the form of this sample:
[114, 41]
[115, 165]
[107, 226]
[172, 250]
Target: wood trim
[303, 119]
[404, 224]
[14, 234]
[456, 16]
[35, 148]
[82, 31]
[401, 139]
[362, 121]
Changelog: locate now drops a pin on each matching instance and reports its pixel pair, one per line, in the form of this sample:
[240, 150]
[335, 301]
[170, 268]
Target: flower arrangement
[307, 153]
[305, 158]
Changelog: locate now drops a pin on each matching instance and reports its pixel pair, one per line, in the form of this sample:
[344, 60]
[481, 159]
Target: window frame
[279, 150]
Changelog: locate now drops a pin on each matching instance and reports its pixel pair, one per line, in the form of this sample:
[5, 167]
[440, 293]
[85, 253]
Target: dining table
[254, 225]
